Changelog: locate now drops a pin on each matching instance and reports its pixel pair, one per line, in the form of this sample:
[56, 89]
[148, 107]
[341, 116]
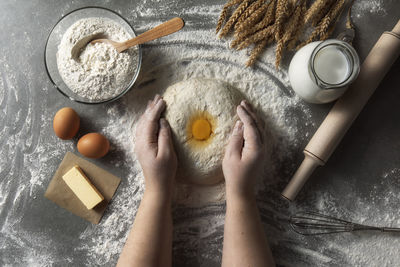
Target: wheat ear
[323, 26]
[262, 34]
[252, 19]
[322, 13]
[282, 12]
[314, 9]
[269, 17]
[256, 52]
[224, 13]
[292, 27]
[296, 35]
[331, 28]
[247, 13]
[331, 18]
[232, 20]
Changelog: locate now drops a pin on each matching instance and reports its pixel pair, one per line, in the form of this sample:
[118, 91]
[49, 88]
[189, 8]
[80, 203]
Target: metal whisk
[314, 223]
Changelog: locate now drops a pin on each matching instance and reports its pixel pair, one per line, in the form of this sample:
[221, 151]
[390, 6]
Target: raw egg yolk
[201, 129]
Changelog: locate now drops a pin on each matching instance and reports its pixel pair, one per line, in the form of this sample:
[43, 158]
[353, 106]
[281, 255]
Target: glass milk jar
[320, 72]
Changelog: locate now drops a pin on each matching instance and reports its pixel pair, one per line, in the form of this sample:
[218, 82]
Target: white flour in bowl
[100, 72]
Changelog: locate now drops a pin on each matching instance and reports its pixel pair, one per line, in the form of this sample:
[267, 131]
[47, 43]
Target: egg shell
[66, 123]
[93, 145]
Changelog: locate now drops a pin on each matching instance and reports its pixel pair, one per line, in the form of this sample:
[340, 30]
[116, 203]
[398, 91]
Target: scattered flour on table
[363, 7]
[27, 155]
[100, 72]
[366, 248]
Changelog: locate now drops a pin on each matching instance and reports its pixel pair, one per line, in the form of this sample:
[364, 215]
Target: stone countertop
[362, 176]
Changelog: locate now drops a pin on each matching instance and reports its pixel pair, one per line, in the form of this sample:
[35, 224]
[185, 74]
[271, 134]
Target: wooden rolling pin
[344, 112]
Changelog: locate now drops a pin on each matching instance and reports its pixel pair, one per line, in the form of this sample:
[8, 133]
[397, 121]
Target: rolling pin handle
[307, 167]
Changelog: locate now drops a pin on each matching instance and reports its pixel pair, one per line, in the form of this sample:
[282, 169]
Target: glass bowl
[54, 39]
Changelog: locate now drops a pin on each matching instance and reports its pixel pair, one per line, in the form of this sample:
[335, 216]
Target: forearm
[245, 243]
[150, 240]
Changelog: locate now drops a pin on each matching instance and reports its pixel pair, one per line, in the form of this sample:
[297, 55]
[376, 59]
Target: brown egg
[93, 145]
[66, 123]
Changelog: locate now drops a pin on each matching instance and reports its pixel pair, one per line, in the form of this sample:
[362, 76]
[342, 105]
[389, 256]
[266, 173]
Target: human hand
[155, 150]
[243, 155]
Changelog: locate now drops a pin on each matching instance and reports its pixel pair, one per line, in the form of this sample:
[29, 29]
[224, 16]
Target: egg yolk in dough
[201, 129]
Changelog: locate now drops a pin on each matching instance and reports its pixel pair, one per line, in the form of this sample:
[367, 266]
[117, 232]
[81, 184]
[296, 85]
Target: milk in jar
[320, 72]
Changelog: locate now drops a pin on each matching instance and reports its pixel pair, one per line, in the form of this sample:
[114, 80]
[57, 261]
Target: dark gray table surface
[28, 100]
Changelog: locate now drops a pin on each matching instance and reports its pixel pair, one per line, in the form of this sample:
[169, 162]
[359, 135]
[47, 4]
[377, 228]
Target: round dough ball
[201, 113]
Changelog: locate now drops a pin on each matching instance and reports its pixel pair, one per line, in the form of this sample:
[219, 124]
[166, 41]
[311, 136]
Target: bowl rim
[131, 84]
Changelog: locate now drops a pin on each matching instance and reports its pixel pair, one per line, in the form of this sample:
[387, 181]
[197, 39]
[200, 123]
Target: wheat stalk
[239, 39]
[314, 9]
[298, 32]
[262, 34]
[292, 26]
[224, 13]
[331, 17]
[327, 33]
[282, 12]
[278, 53]
[315, 20]
[232, 20]
[252, 19]
[326, 22]
[336, 14]
[259, 47]
[269, 17]
[260, 22]
[248, 12]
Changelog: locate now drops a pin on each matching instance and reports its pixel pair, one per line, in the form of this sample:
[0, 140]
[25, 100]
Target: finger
[235, 144]
[143, 117]
[150, 122]
[250, 132]
[147, 110]
[165, 146]
[156, 98]
[153, 102]
[154, 112]
[249, 108]
[141, 123]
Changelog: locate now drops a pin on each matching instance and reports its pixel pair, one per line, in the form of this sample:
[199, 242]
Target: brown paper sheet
[62, 195]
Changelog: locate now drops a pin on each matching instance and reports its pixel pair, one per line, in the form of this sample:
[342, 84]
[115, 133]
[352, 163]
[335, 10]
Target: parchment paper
[62, 195]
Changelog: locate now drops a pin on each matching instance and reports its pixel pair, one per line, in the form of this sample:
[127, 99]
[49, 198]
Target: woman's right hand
[242, 162]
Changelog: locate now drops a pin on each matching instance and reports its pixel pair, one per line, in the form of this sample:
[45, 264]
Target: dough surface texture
[199, 161]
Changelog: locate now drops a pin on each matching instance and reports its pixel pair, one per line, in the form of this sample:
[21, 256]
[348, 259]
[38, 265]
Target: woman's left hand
[154, 148]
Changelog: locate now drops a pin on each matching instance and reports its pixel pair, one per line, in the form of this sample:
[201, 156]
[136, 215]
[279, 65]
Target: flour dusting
[361, 7]
[30, 153]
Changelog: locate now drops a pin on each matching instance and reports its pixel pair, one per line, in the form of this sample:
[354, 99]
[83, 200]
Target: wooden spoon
[161, 30]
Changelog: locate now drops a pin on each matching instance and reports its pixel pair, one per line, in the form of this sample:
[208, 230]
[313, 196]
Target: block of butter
[82, 187]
